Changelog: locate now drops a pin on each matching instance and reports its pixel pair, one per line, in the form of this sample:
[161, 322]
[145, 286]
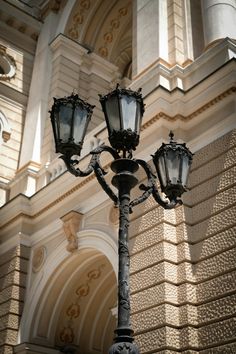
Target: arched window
[5, 130]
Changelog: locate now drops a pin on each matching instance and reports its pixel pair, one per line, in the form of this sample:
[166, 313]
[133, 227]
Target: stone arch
[103, 27]
[74, 293]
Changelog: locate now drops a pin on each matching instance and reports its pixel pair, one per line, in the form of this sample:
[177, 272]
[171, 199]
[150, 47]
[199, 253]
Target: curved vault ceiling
[105, 27]
[77, 309]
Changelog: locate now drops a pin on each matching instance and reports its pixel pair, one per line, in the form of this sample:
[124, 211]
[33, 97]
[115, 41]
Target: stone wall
[183, 262]
[13, 272]
[13, 101]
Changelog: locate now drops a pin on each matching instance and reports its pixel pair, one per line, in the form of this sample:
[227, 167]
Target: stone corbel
[71, 222]
[5, 136]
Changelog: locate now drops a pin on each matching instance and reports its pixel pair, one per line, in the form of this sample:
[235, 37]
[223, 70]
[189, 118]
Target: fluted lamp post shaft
[123, 110]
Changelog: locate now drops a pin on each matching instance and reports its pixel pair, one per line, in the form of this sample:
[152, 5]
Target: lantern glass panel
[129, 111]
[65, 121]
[162, 171]
[80, 124]
[173, 164]
[138, 118]
[113, 113]
[185, 169]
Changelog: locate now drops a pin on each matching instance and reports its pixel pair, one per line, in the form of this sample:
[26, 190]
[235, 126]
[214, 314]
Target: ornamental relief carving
[78, 19]
[7, 65]
[73, 310]
[110, 33]
[38, 259]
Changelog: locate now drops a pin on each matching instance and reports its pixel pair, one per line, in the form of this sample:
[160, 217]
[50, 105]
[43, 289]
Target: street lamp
[123, 110]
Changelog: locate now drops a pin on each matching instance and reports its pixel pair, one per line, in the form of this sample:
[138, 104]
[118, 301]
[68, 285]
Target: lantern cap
[125, 91]
[173, 145]
[73, 98]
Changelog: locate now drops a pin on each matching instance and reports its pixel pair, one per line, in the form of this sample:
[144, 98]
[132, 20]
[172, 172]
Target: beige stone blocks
[216, 223]
[211, 187]
[183, 276]
[6, 349]
[13, 273]
[221, 286]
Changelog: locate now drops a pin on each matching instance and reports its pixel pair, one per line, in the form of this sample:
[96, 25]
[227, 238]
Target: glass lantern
[123, 110]
[70, 117]
[172, 162]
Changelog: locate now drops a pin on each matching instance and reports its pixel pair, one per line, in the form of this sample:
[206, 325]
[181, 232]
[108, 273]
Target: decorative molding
[39, 257]
[192, 115]
[71, 222]
[31, 165]
[164, 63]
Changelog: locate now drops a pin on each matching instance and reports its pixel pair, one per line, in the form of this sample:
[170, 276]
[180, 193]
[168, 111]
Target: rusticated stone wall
[183, 278]
[13, 271]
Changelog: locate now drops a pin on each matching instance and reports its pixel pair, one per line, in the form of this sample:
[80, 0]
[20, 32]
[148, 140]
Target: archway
[104, 27]
[76, 299]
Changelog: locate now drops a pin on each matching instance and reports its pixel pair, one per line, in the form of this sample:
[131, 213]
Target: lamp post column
[124, 181]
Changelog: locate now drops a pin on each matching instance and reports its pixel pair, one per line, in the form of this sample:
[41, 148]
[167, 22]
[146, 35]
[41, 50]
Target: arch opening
[75, 306]
[104, 27]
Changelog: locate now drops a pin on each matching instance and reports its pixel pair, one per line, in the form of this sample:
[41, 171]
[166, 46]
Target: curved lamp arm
[94, 165]
[151, 188]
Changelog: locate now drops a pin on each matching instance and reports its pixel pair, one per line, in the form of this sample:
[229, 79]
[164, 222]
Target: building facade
[58, 233]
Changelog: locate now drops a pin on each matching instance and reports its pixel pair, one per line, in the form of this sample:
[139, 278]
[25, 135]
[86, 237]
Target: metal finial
[171, 135]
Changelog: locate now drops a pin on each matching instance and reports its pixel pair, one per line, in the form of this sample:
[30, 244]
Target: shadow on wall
[183, 260]
[209, 213]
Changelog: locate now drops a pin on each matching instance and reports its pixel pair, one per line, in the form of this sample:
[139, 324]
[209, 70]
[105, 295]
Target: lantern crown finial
[171, 135]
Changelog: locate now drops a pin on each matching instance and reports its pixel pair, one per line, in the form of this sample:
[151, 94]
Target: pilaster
[150, 33]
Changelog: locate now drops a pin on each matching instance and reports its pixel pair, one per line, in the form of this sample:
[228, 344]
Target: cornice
[19, 20]
[162, 115]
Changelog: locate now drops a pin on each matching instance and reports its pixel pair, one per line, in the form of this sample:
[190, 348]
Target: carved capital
[71, 222]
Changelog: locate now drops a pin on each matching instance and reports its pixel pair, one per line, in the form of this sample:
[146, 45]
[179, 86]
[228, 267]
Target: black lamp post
[123, 110]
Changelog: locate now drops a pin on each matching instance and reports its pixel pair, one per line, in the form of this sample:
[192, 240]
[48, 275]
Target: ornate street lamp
[123, 110]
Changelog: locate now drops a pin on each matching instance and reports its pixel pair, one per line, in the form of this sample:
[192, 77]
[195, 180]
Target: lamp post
[123, 110]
